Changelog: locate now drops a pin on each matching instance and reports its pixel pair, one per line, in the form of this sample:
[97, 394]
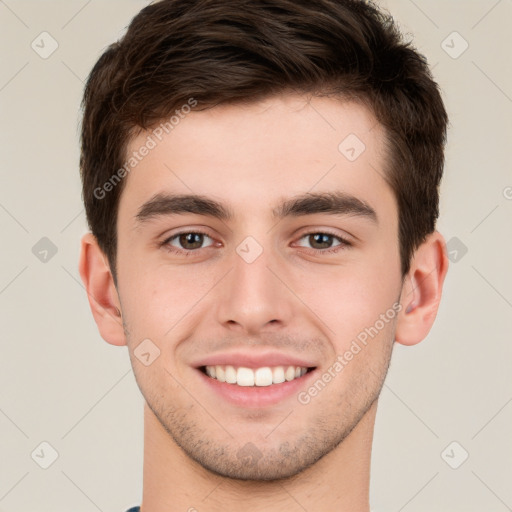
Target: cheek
[347, 300]
[158, 299]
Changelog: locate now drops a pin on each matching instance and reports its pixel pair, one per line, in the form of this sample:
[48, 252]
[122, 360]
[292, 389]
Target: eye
[323, 242]
[187, 241]
[319, 242]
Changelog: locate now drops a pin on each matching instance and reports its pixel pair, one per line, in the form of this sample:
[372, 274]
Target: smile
[247, 377]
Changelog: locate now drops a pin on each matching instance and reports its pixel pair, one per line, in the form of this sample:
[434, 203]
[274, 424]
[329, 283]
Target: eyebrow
[334, 203]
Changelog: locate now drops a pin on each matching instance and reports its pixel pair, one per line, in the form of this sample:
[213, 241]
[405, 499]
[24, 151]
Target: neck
[339, 482]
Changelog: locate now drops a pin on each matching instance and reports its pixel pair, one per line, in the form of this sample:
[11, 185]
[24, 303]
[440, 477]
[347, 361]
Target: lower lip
[258, 396]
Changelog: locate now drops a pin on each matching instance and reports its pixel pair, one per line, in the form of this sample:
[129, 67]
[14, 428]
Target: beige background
[60, 383]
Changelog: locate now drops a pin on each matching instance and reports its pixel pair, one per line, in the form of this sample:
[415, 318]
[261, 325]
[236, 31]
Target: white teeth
[230, 375]
[245, 377]
[221, 374]
[264, 376]
[278, 375]
[290, 373]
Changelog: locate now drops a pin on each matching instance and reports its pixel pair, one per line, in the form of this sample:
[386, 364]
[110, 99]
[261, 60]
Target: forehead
[251, 156]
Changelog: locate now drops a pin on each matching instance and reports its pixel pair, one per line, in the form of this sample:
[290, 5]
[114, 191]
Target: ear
[101, 291]
[421, 291]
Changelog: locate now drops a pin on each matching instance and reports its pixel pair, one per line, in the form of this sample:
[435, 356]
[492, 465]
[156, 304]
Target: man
[261, 183]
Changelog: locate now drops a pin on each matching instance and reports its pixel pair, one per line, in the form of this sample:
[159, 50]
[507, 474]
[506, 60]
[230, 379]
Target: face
[286, 256]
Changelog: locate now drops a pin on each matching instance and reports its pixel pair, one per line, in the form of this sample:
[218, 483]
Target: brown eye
[191, 240]
[320, 240]
[323, 242]
[187, 241]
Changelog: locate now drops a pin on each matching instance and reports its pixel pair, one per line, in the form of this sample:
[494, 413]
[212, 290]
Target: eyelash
[344, 244]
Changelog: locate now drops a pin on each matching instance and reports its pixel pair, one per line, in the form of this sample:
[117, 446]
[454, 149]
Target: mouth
[255, 377]
[256, 387]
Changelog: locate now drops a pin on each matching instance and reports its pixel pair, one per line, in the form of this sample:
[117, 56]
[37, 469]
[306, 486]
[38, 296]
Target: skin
[293, 298]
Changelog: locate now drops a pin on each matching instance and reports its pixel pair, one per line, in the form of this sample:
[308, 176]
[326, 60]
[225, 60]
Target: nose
[254, 296]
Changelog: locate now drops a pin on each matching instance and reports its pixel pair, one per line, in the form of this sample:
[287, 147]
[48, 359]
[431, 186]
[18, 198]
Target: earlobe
[422, 290]
[101, 291]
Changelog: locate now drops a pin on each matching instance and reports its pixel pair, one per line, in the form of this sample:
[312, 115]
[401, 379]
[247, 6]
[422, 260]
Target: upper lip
[253, 360]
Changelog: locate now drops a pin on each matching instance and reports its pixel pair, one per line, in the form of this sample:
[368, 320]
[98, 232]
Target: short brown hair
[222, 51]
